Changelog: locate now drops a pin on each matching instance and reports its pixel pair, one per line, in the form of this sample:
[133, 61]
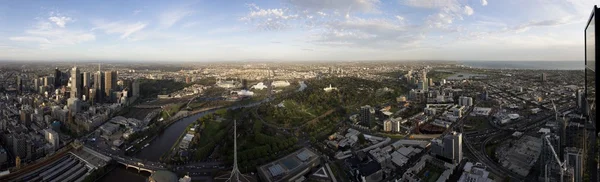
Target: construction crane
[562, 165]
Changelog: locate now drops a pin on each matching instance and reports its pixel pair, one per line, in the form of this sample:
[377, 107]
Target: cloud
[468, 10]
[30, 39]
[268, 19]
[484, 2]
[189, 24]
[372, 32]
[137, 11]
[49, 36]
[400, 18]
[429, 3]
[171, 17]
[448, 11]
[60, 21]
[119, 27]
[544, 23]
[363, 6]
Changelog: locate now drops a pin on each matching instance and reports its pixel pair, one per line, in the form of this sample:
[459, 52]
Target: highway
[502, 132]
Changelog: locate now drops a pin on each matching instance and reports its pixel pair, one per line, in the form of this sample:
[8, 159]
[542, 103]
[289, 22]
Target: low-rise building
[290, 167]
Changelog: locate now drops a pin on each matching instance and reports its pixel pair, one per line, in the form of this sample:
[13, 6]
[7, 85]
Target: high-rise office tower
[579, 95]
[366, 114]
[57, 78]
[47, 81]
[592, 29]
[19, 84]
[453, 147]
[547, 163]
[421, 85]
[574, 161]
[543, 77]
[75, 83]
[387, 125]
[36, 84]
[135, 88]
[99, 86]
[110, 84]
[87, 82]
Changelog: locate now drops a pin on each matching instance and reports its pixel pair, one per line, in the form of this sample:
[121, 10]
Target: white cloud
[400, 18]
[60, 21]
[49, 36]
[544, 23]
[484, 2]
[448, 11]
[429, 3]
[268, 19]
[137, 11]
[468, 10]
[171, 17]
[30, 39]
[125, 29]
[371, 33]
[189, 24]
[364, 6]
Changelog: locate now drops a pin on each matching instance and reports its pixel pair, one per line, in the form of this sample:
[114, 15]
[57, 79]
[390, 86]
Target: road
[502, 132]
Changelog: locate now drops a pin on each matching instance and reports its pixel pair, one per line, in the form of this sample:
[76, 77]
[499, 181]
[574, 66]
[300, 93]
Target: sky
[293, 30]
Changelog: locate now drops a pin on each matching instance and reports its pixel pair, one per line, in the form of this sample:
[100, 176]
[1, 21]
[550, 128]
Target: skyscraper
[36, 84]
[547, 162]
[574, 161]
[135, 88]
[87, 82]
[75, 83]
[453, 147]
[366, 114]
[387, 125]
[579, 95]
[110, 83]
[425, 81]
[19, 84]
[591, 55]
[99, 85]
[57, 78]
[543, 77]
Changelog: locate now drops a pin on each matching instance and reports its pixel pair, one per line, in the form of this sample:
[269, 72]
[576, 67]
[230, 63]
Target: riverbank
[172, 132]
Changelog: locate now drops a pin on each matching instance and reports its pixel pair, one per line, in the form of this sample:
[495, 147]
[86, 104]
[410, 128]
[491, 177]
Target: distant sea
[534, 65]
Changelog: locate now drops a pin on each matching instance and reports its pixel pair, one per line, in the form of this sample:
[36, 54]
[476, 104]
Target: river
[163, 143]
[165, 140]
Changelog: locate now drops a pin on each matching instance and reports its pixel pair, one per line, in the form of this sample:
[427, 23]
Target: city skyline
[294, 30]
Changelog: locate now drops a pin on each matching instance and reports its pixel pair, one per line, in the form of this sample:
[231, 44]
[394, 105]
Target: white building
[280, 84]
[259, 86]
[330, 88]
[226, 84]
[387, 125]
[465, 101]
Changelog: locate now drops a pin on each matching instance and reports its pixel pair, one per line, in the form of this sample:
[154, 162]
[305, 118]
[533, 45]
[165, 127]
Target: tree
[361, 139]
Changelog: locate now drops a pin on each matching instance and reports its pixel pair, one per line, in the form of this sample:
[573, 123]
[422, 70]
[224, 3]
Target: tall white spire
[235, 172]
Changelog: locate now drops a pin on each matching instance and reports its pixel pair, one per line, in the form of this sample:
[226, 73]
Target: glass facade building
[591, 38]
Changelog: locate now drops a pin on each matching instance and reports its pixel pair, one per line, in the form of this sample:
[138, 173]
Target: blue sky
[227, 30]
